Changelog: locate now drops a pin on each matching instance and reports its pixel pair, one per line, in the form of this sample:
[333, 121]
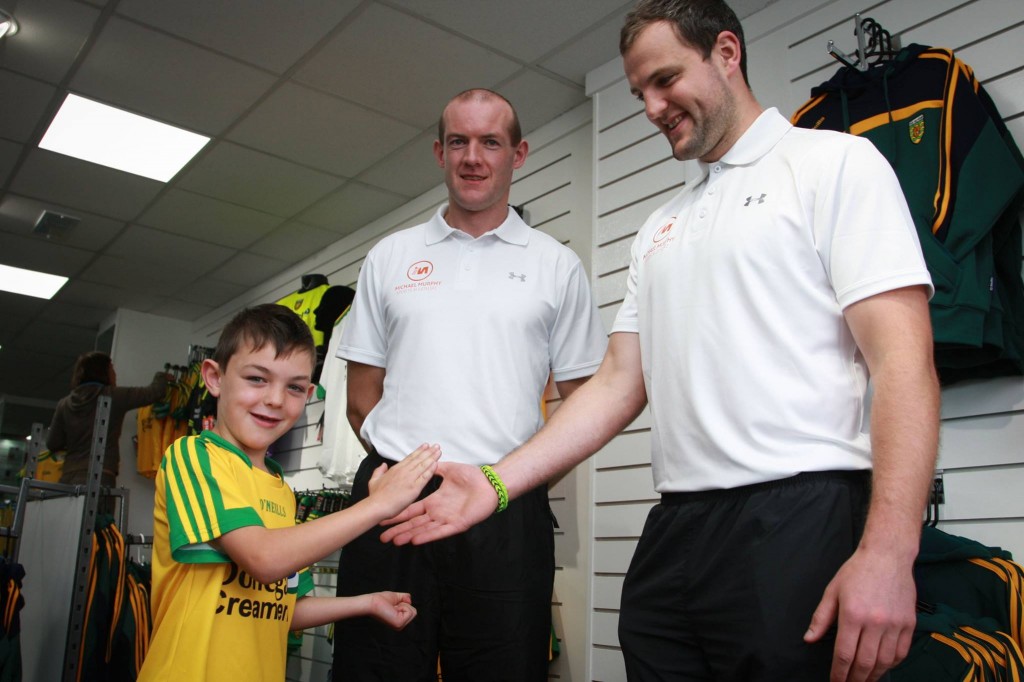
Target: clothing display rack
[198, 353]
[33, 490]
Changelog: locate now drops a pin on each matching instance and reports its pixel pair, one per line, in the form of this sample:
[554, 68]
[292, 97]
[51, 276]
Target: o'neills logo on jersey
[242, 596]
[661, 238]
[419, 275]
[273, 508]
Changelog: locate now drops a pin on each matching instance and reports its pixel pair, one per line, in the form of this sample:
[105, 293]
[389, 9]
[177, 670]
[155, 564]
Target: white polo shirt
[737, 288]
[468, 331]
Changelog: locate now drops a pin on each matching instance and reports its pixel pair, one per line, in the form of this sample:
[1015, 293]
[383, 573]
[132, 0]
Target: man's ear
[522, 149]
[439, 153]
[211, 376]
[727, 48]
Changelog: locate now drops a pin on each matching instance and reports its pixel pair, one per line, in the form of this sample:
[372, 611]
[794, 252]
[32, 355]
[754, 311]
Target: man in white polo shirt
[456, 326]
[758, 301]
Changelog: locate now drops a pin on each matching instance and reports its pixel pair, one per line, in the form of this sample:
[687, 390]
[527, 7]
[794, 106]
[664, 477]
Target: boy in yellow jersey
[229, 563]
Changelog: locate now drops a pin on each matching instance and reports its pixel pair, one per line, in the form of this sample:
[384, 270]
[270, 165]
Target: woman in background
[72, 425]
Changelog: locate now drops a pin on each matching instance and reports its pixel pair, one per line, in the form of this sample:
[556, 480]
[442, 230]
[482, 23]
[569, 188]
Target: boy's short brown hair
[262, 324]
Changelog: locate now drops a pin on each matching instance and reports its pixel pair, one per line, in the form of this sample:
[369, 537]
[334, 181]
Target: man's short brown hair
[515, 130]
[697, 23]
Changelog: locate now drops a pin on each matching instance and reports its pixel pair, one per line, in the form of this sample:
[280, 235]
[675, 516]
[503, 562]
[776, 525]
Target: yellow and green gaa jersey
[211, 620]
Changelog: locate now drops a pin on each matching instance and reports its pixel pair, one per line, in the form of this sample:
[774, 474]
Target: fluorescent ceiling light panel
[30, 282]
[111, 137]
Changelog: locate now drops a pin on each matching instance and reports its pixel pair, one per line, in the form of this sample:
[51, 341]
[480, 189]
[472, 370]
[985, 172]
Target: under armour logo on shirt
[521, 278]
[759, 199]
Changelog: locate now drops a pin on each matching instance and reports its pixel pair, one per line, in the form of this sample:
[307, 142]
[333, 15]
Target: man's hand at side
[872, 599]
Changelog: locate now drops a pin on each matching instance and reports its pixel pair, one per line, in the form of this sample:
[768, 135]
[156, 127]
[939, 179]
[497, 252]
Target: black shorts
[483, 599]
[723, 583]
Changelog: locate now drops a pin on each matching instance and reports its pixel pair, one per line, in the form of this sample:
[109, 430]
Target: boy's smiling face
[259, 396]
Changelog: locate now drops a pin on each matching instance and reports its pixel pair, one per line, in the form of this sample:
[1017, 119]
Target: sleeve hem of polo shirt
[632, 327]
[577, 372]
[356, 355]
[869, 289]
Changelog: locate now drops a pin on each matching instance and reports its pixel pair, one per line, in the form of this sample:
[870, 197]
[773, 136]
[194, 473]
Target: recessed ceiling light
[30, 282]
[8, 26]
[118, 139]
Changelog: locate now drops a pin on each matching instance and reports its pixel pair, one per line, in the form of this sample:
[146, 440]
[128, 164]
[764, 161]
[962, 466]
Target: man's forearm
[905, 432]
[594, 414]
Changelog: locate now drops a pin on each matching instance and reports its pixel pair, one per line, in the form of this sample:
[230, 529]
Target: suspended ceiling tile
[194, 215]
[50, 36]
[12, 327]
[167, 79]
[77, 314]
[260, 181]
[31, 373]
[320, 130]
[411, 84]
[105, 296]
[16, 307]
[185, 255]
[57, 338]
[525, 29]
[538, 99]
[143, 277]
[209, 291]
[19, 215]
[250, 269]
[9, 152]
[410, 171]
[598, 46]
[351, 207]
[180, 310]
[85, 186]
[293, 242]
[25, 102]
[37, 253]
[266, 33]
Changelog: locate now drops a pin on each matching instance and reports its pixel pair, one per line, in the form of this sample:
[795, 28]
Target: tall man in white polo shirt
[456, 326]
[758, 300]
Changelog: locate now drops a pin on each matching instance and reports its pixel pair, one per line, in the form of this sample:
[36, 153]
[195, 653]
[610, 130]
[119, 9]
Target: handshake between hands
[464, 498]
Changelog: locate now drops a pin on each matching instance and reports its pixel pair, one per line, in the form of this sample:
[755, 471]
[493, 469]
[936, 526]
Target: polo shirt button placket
[703, 211]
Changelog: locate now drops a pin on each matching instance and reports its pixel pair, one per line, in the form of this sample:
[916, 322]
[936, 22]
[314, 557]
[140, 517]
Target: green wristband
[499, 487]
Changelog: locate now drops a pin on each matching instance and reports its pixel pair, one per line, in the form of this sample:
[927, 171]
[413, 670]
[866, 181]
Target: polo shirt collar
[763, 134]
[513, 230]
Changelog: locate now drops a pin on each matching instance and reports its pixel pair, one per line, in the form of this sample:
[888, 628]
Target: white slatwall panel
[983, 428]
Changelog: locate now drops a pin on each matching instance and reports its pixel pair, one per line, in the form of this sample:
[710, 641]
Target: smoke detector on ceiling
[53, 225]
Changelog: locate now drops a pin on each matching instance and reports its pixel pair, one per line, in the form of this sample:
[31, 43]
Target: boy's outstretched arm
[269, 555]
[394, 609]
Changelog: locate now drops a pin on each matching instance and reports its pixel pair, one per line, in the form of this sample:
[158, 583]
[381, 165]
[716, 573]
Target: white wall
[983, 422]
[143, 343]
[556, 189]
